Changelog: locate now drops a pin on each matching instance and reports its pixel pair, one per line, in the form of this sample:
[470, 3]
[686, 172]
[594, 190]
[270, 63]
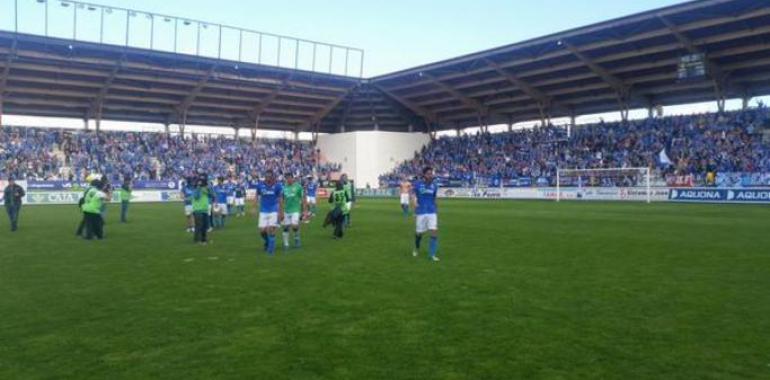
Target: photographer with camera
[201, 201]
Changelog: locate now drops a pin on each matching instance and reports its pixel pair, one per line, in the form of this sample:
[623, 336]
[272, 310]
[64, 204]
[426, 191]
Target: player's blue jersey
[187, 192]
[426, 197]
[312, 189]
[240, 190]
[221, 193]
[269, 196]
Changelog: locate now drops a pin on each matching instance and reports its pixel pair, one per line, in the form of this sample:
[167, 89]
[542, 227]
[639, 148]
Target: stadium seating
[47, 154]
[732, 144]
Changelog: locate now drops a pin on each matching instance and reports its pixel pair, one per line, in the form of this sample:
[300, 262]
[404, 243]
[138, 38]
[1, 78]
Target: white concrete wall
[367, 155]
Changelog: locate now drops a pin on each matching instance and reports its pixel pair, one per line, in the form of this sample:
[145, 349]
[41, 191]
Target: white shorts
[188, 210]
[427, 222]
[220, 208]
[311, 200]
[211, 207]
[231, 200]
[405, 199]
[350, 206]
[268, 219]
[291, 219]
[240, 201]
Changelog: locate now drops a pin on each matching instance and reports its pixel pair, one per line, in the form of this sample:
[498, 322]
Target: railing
[89, 22]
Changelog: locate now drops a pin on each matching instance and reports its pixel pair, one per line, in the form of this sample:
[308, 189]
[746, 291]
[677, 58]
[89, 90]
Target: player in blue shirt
[270, 200]
[230, 186]
[311, 190]
[424, 204]
[221, 192]
[240, 198]
[187, 195]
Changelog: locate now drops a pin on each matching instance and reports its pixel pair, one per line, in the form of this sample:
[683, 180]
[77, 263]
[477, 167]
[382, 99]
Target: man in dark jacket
[12, 197]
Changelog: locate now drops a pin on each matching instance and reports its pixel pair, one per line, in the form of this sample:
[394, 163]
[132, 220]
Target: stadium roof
[630, 62]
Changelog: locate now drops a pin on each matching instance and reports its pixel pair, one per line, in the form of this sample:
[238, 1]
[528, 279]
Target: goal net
[622, 184]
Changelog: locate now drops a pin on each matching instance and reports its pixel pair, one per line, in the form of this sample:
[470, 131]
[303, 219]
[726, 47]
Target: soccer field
[524, 290]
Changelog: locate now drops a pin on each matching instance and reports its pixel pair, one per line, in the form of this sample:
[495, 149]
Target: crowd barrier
[635, 194]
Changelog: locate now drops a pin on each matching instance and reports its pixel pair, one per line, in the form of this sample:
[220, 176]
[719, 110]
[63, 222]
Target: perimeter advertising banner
[74, 186]
[72, 197]
[713, 195]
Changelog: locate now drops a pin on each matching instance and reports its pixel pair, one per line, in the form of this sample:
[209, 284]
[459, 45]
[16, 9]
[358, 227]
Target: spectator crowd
[697, 146]
[47, 154]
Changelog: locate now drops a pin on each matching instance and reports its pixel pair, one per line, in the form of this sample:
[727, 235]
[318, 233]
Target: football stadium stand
[729, 145]
[45, 155]
[704, 50]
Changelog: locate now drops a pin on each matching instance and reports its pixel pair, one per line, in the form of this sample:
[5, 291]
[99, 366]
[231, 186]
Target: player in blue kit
[424, 204]
[270, 200]
[240, 198]
[311, 190]
[220, 211]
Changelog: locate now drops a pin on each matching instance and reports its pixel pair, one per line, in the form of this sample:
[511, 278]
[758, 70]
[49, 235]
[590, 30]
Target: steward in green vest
[201, 200]
[340, 201]
[92, 210]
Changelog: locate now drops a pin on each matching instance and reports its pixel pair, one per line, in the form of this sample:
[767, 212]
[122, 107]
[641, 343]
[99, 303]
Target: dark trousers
[81, 226]
[201, 227]
[123, 212]
[13, 215]
[339, 224]
[94, 226]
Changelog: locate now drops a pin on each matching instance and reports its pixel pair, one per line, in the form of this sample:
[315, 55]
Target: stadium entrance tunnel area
[525, 289]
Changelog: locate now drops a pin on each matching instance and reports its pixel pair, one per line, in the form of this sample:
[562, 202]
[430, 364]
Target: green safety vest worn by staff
[125, 195]
[200, 201]
[348, 188]
[93, 203]
[339, 199]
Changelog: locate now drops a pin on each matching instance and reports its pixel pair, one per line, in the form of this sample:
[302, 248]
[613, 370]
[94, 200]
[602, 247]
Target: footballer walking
[294, 205]
[270, 201]
[424, 197]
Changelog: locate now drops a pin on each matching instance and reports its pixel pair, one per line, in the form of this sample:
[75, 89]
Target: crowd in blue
[727, 145]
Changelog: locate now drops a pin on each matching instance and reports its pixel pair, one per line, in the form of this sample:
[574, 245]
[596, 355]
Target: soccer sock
[264, 238]
[296, 238]
[433, 245]
[405, 208]
[271, 244]
[285, 237]
[224, 218]
[417, 240]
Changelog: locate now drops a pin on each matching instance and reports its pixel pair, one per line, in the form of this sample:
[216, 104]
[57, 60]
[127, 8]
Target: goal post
[581, 182]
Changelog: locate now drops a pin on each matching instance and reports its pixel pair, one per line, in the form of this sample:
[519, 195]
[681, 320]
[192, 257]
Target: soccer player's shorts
[220, 208]
[291, 219]
[211, 207]
[311, 200]
[188, 210]
[405, 199]
[349, 205]
[427, 222]
[268, 219]
[231, 200]
[240, 201]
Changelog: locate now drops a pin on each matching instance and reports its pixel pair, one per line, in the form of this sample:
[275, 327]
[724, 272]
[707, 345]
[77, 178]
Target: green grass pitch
[524, 290]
